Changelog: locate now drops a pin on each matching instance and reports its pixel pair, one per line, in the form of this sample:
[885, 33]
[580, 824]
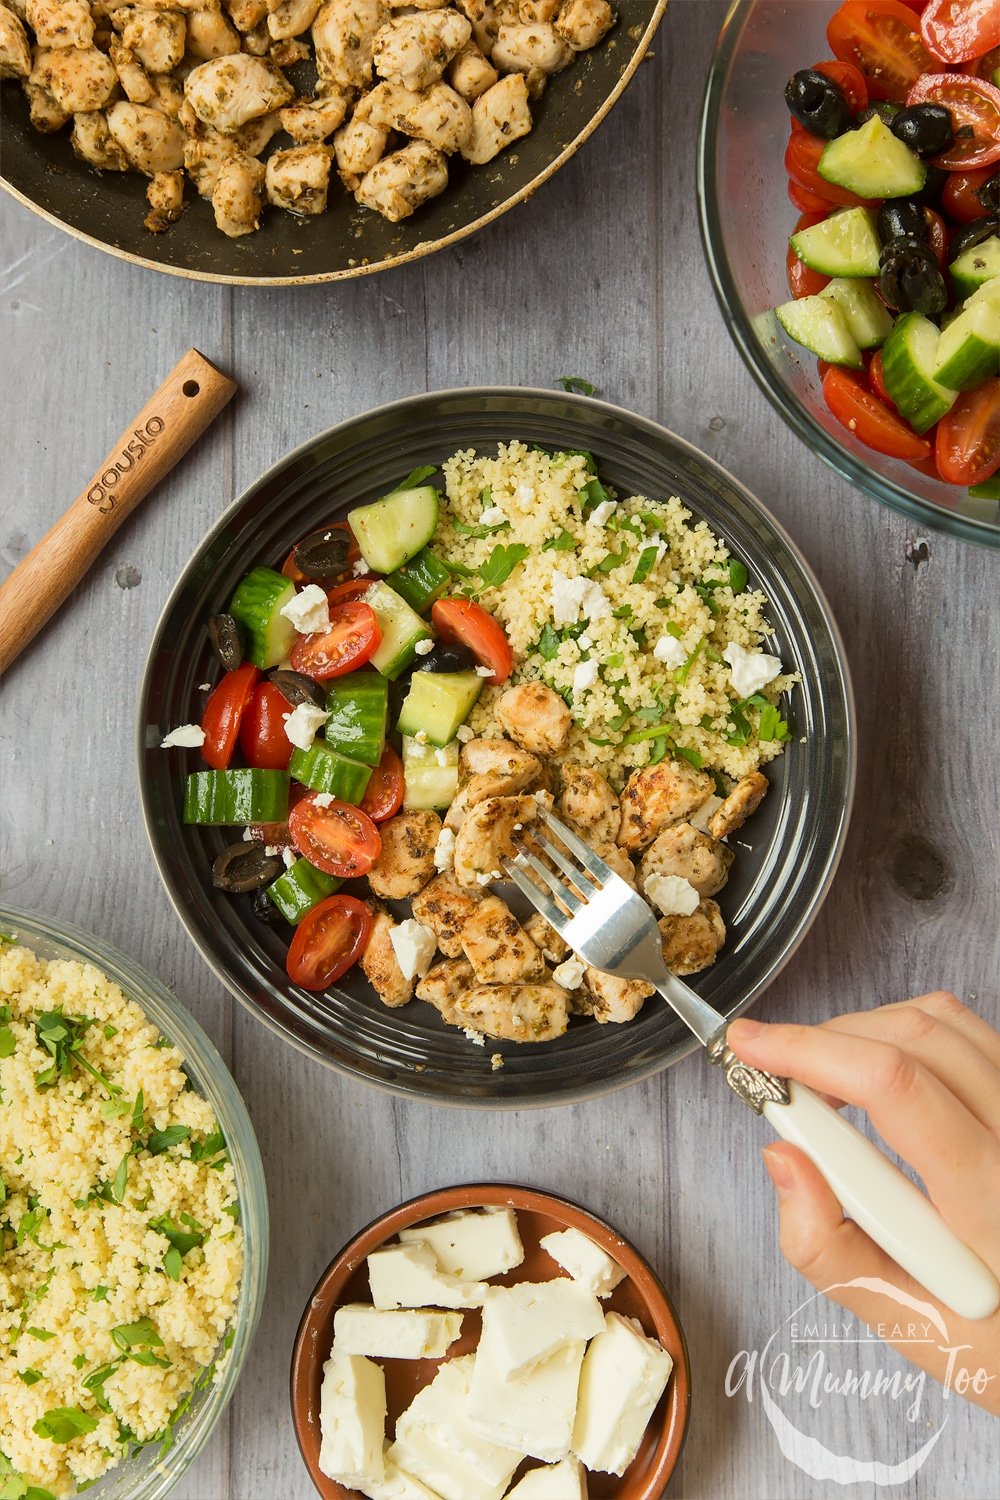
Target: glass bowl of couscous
[133, 1222]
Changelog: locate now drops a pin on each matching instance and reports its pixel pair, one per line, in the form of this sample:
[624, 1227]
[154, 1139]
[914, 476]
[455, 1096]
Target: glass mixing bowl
[790, 848]
[746, 219]
[151, 1472]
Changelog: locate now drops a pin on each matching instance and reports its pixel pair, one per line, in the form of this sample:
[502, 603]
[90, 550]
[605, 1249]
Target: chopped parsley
[646, 563]
[548, 643]
[501, 563]
[417, 477]
[576, 385]
[564, 542]
[139, 1341]
[30, 1377]
[159, 1141]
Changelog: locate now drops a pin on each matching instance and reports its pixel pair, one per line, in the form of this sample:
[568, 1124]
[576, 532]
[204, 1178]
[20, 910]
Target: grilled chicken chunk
[380, 964]
[437, 115]
[499, 118]
[357, 146]
[238, 195]
[444, 906]
[210, 34]
[491, 768]
[401, 182]
[246, 14]
[618, 860]
[157, 39]
[611, 998]
[299, 179]
[46, 115]
[470, 73]
[496, 945]
[655, 796]
[78, 79]
[132, 75]
[444, 985]
[588, 802]
[415, 50]
[516, 1012]
[93, 143]
[545, 938]
[520, 49]
[309, 121]
[487, 834]
[343, 36]
[152, 142]
[60, 23]
[535, 717]
[582, 23]
[228, 91]
[165, 196]
[406, 862]
[15, 52]
[205, 155]
[537, 10]
[288, 18]
[745, 798]
[692, 943]
[681, 850]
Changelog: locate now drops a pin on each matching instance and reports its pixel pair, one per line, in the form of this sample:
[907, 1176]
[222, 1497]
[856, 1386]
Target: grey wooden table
[601, 274]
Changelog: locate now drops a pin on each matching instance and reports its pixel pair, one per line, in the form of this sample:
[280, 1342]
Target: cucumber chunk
[300, 888]
[988, 490]
[214, 798]
[392, 530]
[845, 244]
[401, 629]
[437, 703]
[819, 324]
[969, 351]
[257, 605]
[430, 775]
[420, 581]
[358, 708]
[868, 318]
[323, 769]
[988, 292]
[872, 162]
[909, 364]
[975, 267]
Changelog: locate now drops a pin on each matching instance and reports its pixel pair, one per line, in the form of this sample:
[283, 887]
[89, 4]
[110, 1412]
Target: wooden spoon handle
[189, 399]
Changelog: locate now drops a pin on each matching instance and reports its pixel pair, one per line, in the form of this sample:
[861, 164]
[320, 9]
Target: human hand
[927, 1072]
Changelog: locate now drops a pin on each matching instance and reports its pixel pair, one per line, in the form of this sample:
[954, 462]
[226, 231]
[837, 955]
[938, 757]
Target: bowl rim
[215, 1080]
[637, 1267]
[493, 393]
[418, 252]
[815, 437]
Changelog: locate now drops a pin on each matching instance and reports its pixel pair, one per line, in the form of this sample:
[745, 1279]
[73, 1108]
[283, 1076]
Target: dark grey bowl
[788, 851]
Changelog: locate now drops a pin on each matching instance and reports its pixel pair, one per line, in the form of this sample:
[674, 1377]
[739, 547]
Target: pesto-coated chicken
[497, 947]
[238, 195]
[655, 796]
[343, 35]
[399, 183]
[745, 798]
[535, 717]
[151, 141]
[499, 118]
[696, 857]
[444, 906]
[415, 50]
[228, 91]
[379, 962]
[514, 1012]
[691, 943]
[299, 179]
[406, 861]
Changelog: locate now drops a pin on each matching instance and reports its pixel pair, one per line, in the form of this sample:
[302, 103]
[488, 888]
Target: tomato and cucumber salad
[893, 161]
[349, 671]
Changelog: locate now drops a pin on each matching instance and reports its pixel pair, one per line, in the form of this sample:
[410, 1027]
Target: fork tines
[553, 897]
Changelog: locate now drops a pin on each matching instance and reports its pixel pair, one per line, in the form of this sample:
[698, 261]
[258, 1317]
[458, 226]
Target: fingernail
[777, 1169]
[744, 1030]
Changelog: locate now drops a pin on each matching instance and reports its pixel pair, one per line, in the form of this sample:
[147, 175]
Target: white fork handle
[886, 1204]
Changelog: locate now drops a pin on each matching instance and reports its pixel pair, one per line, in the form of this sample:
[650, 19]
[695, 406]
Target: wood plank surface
[601, 274]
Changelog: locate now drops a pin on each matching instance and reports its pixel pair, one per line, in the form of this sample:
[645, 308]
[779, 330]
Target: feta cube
[584, 676]
[398, 1485]
[352, 1420]
[569, 973]
[394, 1334]
[302, 723]
[435, 1425]
[484, 671]
[289, 858]
[524, 1325]
[586, 1262]
[492, 516]
[309, 610]
[572, 598]
[414, 946]
[566, 1480]
[424, 647]
[533, 1414]
[408, 1276]
[702, 815]
[749, 671]
[674, 895]
[186, 737]
[601, 513]
[442, 1472]
[670, 652]
[472, 1244]
[444, 850]
[323, 799]
[623, 1377]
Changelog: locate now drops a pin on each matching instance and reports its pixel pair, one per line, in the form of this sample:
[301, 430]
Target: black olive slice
[322, 555]
[264, 908]
[246, 866]
[973, 234]
[226, 642]
[297, 689]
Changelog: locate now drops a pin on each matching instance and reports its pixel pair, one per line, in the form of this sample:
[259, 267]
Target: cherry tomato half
[958, 196]
[967, 446]
[468, 623]
[327, 941]
[223, 713]
[937, 236]
[262, 729]
[974, 105]
[803, 281]
[882, 39]
[849, 80]
[876, 379]
[987, 66]
[338, 838]
[384, 792]
[354, 588]
[871, 423]
[959, 30]
[351, 639]
[807, 203]
[802, 156]
[291, 570]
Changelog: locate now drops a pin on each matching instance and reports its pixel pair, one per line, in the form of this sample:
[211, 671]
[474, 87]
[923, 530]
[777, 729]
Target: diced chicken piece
[655, 796]
[288, 18]
[165, 196]
[491, 768]
[545, 938]
[255, 134]
[380, 964]
[413, 5]
[618, 860]
[406, 862]
[444, 985]
[205, 154]
[484, 20]
[228, 91]
[60, 23]
[343, 36]
[168, 95]
[529, 11]
[15, 53]
[438, 115]
[614, 999]
[499, 118]
[46, 115]
[258, 43]
[588, 801]
[93, 143]
[155, 37]
[309, 121]
[520, 48]
[487, 834]
[299, 179]
[289, 51]
[535, 717]
[444, 906]
[497, 947]
[682, 851]
[692, 943]
[152, 142]
[415, 50]
[210, 34]
[237, 197]
[246, 14]
[582, 23]
[471, 73]
[516, 1012]
[131, 74]
[398, 184]
[744, 800]
[77, 79]
[174, 5]
[357, 146]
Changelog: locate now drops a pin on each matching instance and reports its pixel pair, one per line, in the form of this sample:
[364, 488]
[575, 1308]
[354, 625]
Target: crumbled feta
[573, 598]
[247, 835]
[496, 1061]
[475, 1036]
[674, 895]
[484, 671]
[569, 974]
[586, 1262]
[186, 737]
[302, 723]
[290, 858]
[204, 687]
[669, 650]
[492, 516]
[271, 850]
[425, 647]
[749, 671]
[421, 736]
[600, 513]
[309, 610]
[525, 494]
[323, 799]
[465, 734]
[701, 816]
[584, 676]
[414, 946]
[327, 536]
[359, 568]
[487, 876]
[584, 642]
[444, 850]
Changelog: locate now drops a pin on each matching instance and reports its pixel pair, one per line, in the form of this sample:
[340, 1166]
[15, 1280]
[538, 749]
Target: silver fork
[612, 928]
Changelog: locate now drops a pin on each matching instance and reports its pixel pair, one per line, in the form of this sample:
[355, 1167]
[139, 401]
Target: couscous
[121, 1250]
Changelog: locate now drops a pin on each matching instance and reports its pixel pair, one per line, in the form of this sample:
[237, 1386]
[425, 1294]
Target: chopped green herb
[458, 569]
[64, 1423]
[646, 563]
[113, 1109]
[576, 385]
[592, 495]
[8, 1041]
[94, 1382]
[609, 561]
[79, 1361]
[110, 1031]
[479, 531]
[62, 1037]
[120, 1180]
[693, 757]
[652, 733]
[30, 1224]
[41, 1333]
[182, 1240]
[742, 729]
[682, 673]
[772, 726]
[159, 1141]
[30, 1377]
[210, 1146]
[138, 1110]
[138, 1341]
[501, 563]
[564, 542]
[173, 1263]
[616, 659]
[417, 477]
[658, 750]
[233, 1210]
[99, 1294]
[738, 575]
[622, 612]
